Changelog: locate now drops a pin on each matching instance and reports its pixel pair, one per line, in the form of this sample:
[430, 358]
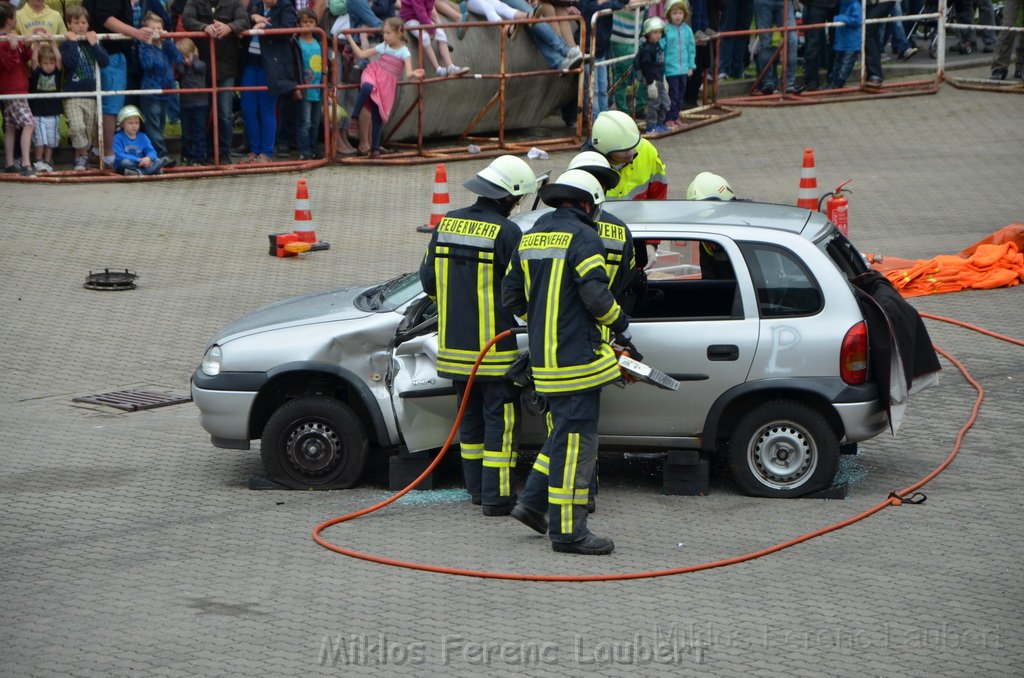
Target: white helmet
[129, 111]
[708, 186]
[614, 131]
[653, 24]
[574, 184]
[506, 175]
[596, 164]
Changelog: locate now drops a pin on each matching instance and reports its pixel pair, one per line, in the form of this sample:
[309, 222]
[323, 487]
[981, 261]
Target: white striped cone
[303, 226]
[808, 195]
[441, 201]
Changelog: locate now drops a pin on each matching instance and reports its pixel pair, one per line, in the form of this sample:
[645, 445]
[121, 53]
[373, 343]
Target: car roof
[654, 215]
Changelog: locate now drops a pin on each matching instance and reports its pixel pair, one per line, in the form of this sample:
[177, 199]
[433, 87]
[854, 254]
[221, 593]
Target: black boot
[592, 545]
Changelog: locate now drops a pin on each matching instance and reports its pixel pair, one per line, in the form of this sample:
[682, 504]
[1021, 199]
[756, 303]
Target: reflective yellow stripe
[551, 314]
[542, 464]
[611, 316]
[484, 296]
[441, 272]
[589, 264]
[472, 450]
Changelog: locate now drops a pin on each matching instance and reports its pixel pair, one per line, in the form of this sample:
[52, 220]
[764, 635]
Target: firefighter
[714, 262]
[462, 270]
[642, 174]
[558, 281]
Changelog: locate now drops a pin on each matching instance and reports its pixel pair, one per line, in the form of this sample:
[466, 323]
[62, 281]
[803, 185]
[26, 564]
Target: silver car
[749, 305]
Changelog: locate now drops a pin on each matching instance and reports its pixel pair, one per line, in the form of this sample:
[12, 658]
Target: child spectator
[379, 82]
[269, 63]
[45, 79]
[134, 154]
[80, 52]
[847, 43]
[650, 61]
[310, 106]
[417, 13]
[35, 17]
[157, 58]
[14, 58]
[194, 107]
[680, 56]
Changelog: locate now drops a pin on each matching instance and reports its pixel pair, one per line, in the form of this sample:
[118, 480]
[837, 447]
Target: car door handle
[723, 352]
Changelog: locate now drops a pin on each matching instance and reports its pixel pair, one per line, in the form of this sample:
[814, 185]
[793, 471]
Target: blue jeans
[259, 111]
[842, 66]
[155, 168]
[549, 44]
[309, 125]
[174, 106]
[364, 100]
[737, 16]
[112, 78]
[193, 132]
[894, 31]
[360, 14]
[768, 14]
[600, 87]
[225, 118]
[154, 111]
[872, 40]
[814, 43]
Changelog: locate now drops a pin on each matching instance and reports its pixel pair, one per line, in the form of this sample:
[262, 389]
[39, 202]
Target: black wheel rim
[314, 450]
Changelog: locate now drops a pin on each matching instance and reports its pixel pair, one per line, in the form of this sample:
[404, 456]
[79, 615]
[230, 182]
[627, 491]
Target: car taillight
[853, 358]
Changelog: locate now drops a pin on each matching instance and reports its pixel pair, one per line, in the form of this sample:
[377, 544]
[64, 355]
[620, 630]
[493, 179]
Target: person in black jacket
[269, 62]
[222, 20]
[816, 12]
[463, 269]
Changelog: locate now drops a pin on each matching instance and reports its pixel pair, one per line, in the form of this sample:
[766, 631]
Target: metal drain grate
[108, 280]
[134, 400]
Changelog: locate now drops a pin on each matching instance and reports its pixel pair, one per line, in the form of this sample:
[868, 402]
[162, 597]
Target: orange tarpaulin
[994, 261]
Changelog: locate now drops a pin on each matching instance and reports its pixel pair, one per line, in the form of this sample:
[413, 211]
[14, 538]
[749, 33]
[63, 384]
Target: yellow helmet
[614, 131]
[709, 186]
[596, 164]
[653, 24]
[129, 111]
[506, 175]
[574, 184]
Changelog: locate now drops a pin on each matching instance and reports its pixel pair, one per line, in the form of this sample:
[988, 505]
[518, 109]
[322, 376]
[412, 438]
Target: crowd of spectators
[285, 117]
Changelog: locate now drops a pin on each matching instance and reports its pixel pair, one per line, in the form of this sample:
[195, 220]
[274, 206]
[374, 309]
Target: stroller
[928, 29]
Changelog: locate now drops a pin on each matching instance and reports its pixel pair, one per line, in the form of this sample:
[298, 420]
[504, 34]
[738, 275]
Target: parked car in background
[749, 305]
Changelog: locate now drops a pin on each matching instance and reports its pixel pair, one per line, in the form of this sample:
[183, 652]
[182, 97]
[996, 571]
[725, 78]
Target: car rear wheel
[314, 443]
[783, 448]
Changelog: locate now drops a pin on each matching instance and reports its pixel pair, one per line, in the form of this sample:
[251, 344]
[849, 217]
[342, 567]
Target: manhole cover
[133, 400]
[110, 280]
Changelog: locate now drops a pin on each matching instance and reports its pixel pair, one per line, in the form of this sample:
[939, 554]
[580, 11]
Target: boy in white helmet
[571, 316]
[463, 269]
[134, 154]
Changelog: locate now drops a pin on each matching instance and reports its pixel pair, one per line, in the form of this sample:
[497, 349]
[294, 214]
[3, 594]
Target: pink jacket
[420, 10]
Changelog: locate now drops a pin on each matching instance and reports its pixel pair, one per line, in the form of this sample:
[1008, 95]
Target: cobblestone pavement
[132, 547]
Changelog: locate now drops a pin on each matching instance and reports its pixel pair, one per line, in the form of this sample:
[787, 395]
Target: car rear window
[784, 285]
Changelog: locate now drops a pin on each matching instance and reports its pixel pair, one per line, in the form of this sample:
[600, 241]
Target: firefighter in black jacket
[558, 281]
[462, 270]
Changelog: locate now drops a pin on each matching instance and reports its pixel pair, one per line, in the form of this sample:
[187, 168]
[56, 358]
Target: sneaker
[81, 163]
[672, 123]
[263, 158]
[767, 89]
[454, 70]
[284, 151]
[570, 62]
[304, 157]
[442, 72]
[907, 53]
[41, 166]
[27, 171]
[535, 520]
[129, 172]
[723, 76]
[874, 81]
[249, 159]
[108, 160]
[999, 73]
[700, 36]
[592, 545]
[12, 169]
[574, 52]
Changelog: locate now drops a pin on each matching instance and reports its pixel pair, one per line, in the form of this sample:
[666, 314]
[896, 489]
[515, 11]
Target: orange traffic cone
[441, 200]
[808, 196]
[304, 227]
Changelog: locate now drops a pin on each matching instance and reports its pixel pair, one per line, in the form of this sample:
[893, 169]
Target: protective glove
[652, 91]
[625, 340]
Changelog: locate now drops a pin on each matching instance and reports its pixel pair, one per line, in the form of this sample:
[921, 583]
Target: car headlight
[211, 361]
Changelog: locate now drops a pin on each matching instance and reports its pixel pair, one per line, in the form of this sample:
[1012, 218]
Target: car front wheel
[783, 448]
[314, 443]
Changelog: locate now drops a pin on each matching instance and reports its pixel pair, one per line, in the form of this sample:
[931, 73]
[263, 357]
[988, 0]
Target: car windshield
[391, 294]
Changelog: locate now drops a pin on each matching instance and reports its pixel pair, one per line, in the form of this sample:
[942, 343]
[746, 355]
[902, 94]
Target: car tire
[783, 448]
[314, 443]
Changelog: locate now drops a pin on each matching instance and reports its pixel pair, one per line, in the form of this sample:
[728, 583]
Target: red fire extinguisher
[836, 209]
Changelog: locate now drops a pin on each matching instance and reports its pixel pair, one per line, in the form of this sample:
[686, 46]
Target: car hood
[305, 310]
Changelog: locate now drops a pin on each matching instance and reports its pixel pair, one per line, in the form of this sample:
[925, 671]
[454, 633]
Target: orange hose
[894, 499]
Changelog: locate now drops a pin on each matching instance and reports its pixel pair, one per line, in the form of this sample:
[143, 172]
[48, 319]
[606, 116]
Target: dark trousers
[154, 110]
[560, 479]
[814, 43]
[364, 100]
[734, 57]
[489, 437]
[676, 91]
[193, 132]
[873, 39]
